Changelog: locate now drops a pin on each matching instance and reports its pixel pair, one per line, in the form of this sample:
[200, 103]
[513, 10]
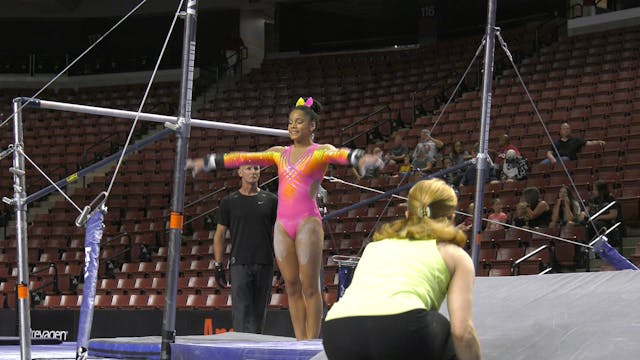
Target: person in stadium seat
[458, 153]
[601, 197]
[427, 150]
[538, 211]
[398, 150]
[504, 146]
[390, 310]
[568, 146]
[497, 215]
[566, 209]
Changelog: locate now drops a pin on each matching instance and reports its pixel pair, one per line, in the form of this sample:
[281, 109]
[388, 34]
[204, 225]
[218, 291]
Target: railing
[383, 109]
[110, 263]
[38, 297]
[99, 142]
[515, 267]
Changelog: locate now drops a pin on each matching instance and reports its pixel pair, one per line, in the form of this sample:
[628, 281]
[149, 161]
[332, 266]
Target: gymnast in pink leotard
[299, 179]
[298, 234]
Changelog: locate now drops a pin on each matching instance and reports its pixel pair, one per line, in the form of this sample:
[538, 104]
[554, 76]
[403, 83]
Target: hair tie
[302, 102]
[425, 212]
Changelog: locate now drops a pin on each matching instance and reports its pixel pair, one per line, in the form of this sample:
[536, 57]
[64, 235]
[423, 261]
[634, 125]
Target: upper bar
[95, 110]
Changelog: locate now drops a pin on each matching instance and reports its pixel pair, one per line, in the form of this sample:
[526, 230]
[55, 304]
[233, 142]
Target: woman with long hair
[298, 234]
[390, 310]
[566, 209]
[538, 212]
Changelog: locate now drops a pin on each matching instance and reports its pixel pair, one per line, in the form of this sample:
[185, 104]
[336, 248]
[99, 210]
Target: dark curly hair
[312, 112]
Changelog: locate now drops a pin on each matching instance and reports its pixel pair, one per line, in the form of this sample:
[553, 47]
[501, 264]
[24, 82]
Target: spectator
[538, 211]
[421, 162]
[469, 176]
[373, 172]
[458, 154]
[497, 215]
[467, 223]
[565, 210]
[427, 146]
[452, 177]
[398, 151]
[406, 165]
[600, 198]
[568, 146]
[514, 167]
[520, 217]
[505, 146]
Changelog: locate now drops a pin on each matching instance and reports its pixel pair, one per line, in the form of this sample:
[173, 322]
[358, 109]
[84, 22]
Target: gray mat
[580, 316]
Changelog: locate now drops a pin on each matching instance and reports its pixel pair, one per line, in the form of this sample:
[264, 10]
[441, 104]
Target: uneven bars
[95, 110]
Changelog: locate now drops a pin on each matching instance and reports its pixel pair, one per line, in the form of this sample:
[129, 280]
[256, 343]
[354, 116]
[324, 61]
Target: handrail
[421, 89]
[384, 107]
[126, 250]
[116, 236]
[364, 133]
[224, 187]
[201, 215]
[56, 288]
[99, 142]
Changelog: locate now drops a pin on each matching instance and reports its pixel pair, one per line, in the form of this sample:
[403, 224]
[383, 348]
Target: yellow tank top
[395, 276]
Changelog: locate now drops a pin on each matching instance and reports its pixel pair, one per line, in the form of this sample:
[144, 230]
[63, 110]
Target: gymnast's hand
[369, 161]
[195, 165]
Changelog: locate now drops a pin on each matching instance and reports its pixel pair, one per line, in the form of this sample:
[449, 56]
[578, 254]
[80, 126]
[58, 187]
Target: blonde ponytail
[430, 206]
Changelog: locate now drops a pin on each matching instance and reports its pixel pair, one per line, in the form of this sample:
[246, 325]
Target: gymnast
[390, 310]
[298, 233]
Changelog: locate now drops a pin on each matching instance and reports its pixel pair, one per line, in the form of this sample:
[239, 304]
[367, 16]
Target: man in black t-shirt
[249, 214]
[568, 146]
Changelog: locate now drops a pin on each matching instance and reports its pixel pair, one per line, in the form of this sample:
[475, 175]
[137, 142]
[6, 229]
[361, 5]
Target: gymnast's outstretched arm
[345, 156]
[234, 160]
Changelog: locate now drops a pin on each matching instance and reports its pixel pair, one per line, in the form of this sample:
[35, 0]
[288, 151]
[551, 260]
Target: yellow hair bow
[302, 102]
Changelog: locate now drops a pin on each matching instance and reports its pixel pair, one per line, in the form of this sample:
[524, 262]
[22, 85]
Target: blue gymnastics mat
[227, 346]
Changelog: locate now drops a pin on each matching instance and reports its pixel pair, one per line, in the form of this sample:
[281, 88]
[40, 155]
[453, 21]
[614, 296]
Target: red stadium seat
[278, 301]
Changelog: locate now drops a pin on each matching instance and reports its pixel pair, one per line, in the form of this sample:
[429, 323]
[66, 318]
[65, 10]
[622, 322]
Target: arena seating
[589, 81]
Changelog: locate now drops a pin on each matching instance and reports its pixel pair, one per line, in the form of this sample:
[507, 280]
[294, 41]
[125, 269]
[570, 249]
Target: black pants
[416, 334]
[250, 289]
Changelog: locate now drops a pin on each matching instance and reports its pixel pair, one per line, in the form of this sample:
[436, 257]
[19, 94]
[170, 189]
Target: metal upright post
[19, 203]
[484, 129]
[182, 128]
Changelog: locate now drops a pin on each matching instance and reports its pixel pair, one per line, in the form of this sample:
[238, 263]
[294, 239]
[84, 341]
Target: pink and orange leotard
[296, 201]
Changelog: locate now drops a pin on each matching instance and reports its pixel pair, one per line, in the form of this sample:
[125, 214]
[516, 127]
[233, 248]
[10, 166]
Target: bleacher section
[589, 81]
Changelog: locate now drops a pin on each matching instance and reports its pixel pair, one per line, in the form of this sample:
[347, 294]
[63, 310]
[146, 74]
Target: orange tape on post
[176, 220]
[23, 291]
[479, 238]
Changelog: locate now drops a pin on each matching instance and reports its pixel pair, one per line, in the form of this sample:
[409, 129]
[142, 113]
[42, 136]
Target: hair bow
[307, 103]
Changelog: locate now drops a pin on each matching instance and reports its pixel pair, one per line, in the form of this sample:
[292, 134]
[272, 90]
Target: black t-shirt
[542, 220]
[399, 150]
[570, 147]
[250, 220]
[597, 204]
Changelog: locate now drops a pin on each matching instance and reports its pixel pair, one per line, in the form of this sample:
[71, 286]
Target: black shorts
[415, 334]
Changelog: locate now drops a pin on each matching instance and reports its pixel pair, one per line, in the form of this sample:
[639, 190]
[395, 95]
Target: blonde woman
[390, 310]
